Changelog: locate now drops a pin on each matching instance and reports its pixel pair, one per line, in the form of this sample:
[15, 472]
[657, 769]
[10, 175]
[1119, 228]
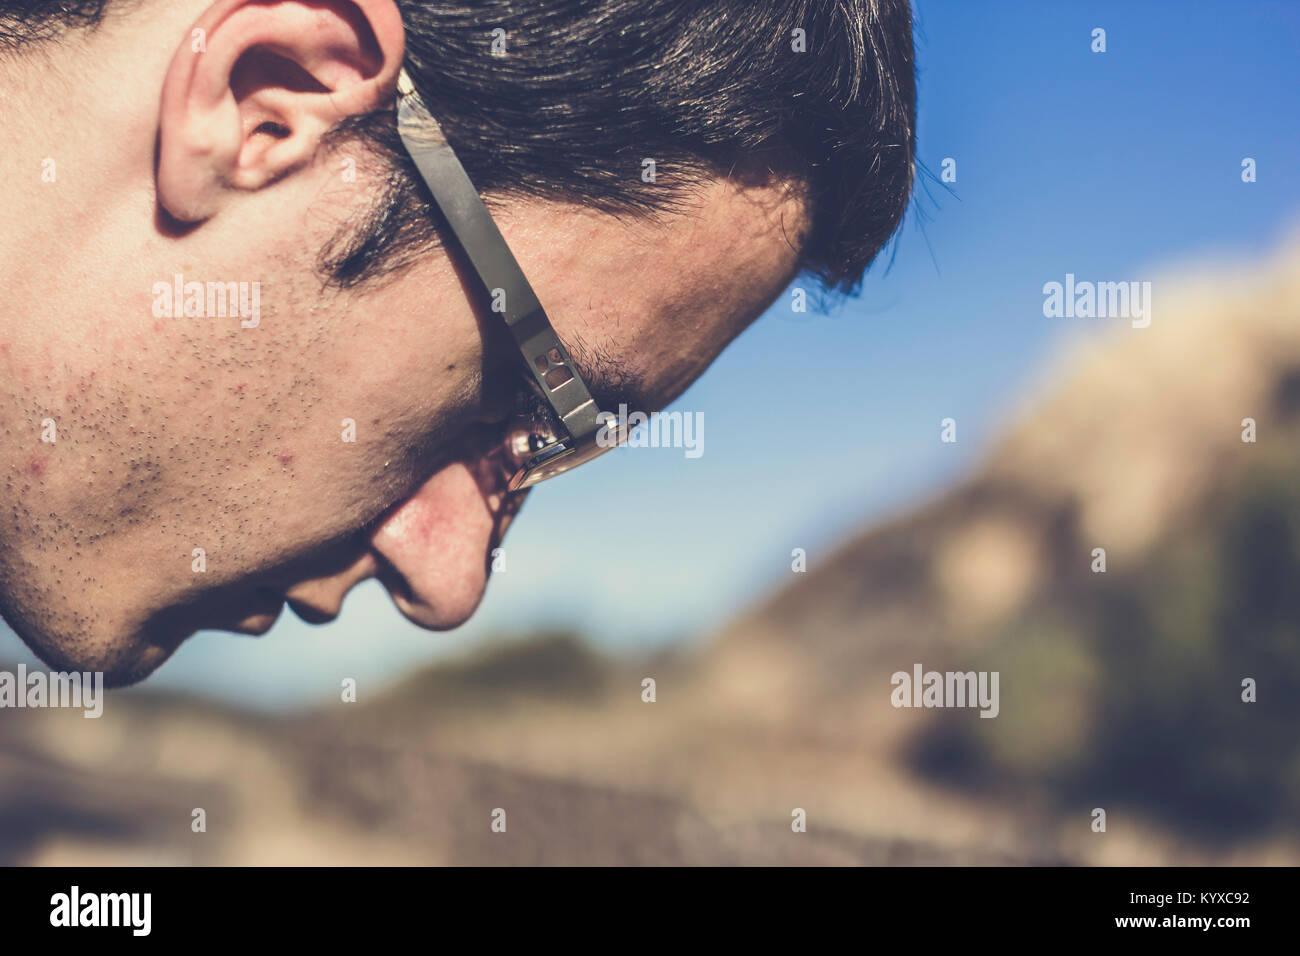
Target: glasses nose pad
[503, 457]
[517, 445]
[496, 466]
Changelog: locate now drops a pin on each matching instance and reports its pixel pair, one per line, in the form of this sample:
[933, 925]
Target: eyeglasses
[559, 425]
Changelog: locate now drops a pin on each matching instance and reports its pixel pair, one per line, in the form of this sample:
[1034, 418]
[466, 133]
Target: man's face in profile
[167, 469]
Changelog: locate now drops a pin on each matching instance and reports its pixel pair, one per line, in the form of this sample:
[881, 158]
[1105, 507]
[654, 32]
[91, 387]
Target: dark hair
[586, 91]
[26, 21]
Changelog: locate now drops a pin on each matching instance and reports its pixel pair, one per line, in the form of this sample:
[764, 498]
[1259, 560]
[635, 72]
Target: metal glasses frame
[546, 359]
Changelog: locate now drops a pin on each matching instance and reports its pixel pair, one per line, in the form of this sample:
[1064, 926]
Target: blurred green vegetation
[1125, 688]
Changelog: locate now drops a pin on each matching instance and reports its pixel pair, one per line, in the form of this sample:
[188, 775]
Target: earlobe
[249, 106]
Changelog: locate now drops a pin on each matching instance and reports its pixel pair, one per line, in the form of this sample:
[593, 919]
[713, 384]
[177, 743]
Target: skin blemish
[285, 459]
[36, 465]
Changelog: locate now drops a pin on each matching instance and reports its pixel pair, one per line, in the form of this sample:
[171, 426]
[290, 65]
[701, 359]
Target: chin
[124, 659]
[126, 672]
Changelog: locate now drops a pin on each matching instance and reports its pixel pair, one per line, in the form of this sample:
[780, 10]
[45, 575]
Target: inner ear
[260, 69]
[269, 89]
[273, 129]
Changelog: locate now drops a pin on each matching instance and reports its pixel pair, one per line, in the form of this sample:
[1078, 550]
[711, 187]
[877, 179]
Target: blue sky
[1110, 166]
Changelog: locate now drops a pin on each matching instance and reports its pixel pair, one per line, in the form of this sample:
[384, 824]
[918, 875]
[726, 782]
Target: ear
[251, 91]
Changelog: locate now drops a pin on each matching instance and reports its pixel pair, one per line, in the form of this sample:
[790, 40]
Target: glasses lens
[534, 450]
[525, 438]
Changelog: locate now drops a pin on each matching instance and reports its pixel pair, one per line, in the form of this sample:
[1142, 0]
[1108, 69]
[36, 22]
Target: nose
[432, 552]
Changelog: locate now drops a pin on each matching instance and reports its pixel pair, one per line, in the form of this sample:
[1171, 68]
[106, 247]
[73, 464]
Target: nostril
[392, 579]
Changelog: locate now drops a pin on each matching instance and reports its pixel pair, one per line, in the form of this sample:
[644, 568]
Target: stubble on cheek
[137, 477]
[197, 458]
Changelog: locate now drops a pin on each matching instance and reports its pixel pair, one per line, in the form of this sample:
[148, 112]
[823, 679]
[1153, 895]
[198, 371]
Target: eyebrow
[611, 381]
